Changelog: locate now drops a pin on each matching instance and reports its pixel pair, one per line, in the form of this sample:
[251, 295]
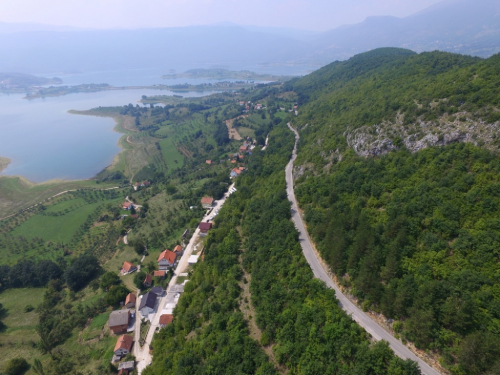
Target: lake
[45, 142]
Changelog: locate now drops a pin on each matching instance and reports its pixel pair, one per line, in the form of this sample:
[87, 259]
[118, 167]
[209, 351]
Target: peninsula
[227, 74]
[4, 162]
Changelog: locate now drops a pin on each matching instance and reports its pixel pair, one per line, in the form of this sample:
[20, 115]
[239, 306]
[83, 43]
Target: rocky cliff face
[387, 136]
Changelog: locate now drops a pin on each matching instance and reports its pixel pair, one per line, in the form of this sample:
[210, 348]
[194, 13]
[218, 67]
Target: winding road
[372, 327]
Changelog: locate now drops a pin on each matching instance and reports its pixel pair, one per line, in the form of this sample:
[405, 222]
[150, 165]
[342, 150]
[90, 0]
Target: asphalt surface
[372, 327]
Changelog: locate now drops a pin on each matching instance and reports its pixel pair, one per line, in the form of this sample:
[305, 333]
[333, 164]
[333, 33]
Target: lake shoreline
[118, 128]
[4, 162]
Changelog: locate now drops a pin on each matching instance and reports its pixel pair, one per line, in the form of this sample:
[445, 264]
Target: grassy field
[172, 156]
[55, 228]
[4, 162]
[19, 336]
[17, 193]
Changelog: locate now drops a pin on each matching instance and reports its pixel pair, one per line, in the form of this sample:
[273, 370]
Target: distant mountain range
[463, 26]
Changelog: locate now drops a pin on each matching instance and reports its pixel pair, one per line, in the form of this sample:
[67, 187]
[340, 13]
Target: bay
[46, 142]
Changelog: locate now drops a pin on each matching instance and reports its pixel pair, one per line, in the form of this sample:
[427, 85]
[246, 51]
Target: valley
[362, 228]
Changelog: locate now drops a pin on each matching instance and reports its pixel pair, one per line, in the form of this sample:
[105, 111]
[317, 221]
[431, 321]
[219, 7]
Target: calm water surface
[45, 142]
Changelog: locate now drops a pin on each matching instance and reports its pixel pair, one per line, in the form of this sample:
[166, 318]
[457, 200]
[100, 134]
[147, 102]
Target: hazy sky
[303, 14]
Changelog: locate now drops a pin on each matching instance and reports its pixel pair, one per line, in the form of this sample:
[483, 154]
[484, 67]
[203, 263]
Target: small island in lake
[227, 74]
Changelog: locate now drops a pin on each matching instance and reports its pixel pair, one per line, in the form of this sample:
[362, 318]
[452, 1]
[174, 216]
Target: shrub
[16, 366]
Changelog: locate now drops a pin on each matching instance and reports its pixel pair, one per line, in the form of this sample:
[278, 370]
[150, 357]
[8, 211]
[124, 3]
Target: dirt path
[233, 133]
[249, 314]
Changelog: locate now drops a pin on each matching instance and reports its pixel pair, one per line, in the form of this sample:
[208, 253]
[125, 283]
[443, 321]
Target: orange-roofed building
[207, 202]
[166, 260]
[123, 345]
[127, 206]
[148, 280]
[166, 319]
[208, 162]
[160, 274]
[130, 300]
[128, 268]
[178, 250]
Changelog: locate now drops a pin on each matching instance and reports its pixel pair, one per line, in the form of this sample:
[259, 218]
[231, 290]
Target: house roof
[148, 300]
[157, 290]
[148, 279]
[131, 298]
[159, 274]
[126, 366]
[127, 204]
[166, 319]
[127, 266]
[178, 249]
[124, 342]
[207, 200]
[208, 161]
[167, 255]
[205, 226]
[119, 318]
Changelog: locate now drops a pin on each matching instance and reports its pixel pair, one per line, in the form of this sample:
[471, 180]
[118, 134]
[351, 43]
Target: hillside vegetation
[296, 319]
[398, 174]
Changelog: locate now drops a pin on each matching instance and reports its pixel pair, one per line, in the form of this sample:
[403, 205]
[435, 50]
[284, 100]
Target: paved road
[357, 314]
[142, 355]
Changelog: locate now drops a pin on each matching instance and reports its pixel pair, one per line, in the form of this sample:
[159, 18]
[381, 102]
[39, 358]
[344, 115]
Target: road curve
[357, 314]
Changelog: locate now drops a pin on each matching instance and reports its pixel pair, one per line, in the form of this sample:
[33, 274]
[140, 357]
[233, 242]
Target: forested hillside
[398, 173]
[295, 318]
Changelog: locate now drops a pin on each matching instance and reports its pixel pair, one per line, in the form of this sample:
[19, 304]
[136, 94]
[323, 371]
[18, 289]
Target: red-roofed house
[160, 274]
[166, 319]
[204, 228]
[148, 280]
[178, 250]
[207, 202]
[123, 345]
[235, 172]
[243, 148]
[166, 260]
[128, 268]
[127, 206]
[208, 162]
[130, 300]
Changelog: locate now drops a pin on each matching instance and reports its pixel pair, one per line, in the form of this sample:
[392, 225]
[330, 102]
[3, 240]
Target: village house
[166, 260]
[148, 280]
[118, 321]
[178, 250]
[127, 206]
[166, 319]
[204, 228]
[128, 268]
[243, 148]
[126, 368]
[160, 274]
[123, 345]
[207, 202]
[148, 303]
[157, 290]
[130, 300]
[235, 172]
[208, 162]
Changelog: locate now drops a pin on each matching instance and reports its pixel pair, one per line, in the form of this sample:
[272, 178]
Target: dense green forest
[299, 321]
[414, 235]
